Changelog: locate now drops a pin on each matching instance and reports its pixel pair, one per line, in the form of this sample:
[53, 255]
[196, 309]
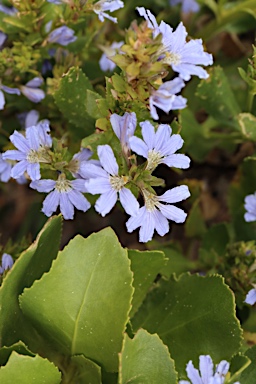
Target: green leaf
[145, 359]
[26, 369]
[238, 364]
[82, 304]
[29, 267]
[83, 371]
[195, 225]
[249, 374]
[193, 316]
[247, 123]
[18, 347]
[145, 266]
[71, 99]
[218, 99]
[176, 262]
[96, 106]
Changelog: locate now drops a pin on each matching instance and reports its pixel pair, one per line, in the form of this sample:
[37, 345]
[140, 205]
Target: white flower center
[154, 158]
[172, 58]
[62, 184]
[118, 182]
[150, 199]
[40, 156]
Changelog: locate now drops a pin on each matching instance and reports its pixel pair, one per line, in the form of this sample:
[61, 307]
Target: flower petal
[33, 170]
[66, 207]
[138, 146]
[173, 213]
[50, 203]
[78, 200]
[106, 202]
[251, 297]
[175, 195]
[43, 185]
[206, 368]
[107, 159]
[129, 201]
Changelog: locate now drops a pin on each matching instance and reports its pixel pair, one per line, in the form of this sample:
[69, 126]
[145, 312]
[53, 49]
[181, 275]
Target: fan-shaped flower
[32, 149]
[159, 147]
[155, 215]
[106, 181]
[65, 193]
[184, 57]
[165, 97]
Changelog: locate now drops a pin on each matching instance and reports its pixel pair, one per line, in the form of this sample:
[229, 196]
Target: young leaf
[71, 98]
[145, 359]
[193, 316]
[26, 369]
[249, 374]
[82, 304]
[145, 266]
[218, 99]
[29, 267]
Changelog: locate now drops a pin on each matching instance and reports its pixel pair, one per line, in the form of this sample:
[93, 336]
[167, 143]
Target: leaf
[86, 371]
[195, 225]
[18, 347]
[30, 266]
[249, 374]
[218, 99]
[96, 106]
[26, 369]
[71, 98]
[82, 304]
[145, 359]
[247, 123]
[193, 316]
[145, 266]
[238, 364]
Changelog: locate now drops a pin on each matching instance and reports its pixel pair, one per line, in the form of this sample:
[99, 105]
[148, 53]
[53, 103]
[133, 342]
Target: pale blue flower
[186, 5]
[103, 6]
[159, 147]
[65, 193]
[207, 374]
[11, 91]
[80, 161]
[165, 97]
[7, 262]
[124, 128]
[62, 35]
[155, 215]
[32, 150]
[106, 64]
[106, 181]
[250, 206]
[31, 91]
[251, 297]
[184, 57]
